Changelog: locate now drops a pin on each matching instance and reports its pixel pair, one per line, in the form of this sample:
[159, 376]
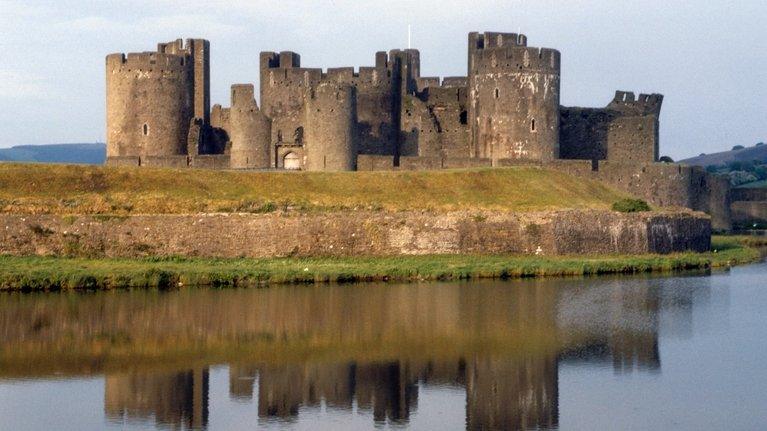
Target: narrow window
[497, 93]
[145, 129]
[532, 125]
[464, 117]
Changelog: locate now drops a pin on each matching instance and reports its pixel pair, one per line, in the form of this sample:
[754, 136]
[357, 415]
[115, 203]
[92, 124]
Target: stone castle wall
[506, 107]
[331, 115]
[513, 98]
[153, 96]
[627, 130]
[749, 207]
[355, 233]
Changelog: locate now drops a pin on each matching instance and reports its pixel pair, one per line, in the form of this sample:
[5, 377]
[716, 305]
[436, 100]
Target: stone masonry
[355, 233]
[505, 111]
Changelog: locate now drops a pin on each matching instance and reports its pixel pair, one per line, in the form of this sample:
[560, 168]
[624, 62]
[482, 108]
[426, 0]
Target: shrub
[631, 206]
[738, 147]
[666, 159]
[741, 177]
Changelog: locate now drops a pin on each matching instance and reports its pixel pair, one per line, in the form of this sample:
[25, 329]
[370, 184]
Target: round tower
[331, 115]
[513, 98]
[149, 104]
[249, 131]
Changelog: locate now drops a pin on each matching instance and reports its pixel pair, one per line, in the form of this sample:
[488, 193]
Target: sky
[708, 57]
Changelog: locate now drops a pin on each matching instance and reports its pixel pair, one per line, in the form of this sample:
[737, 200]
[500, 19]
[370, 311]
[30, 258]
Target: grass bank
[68, 189]
[51, 273]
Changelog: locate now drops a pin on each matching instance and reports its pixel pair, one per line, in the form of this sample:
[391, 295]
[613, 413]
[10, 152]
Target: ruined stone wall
[420, 130]
[283, 88]
[633, 139]
[513, 98]
[583, 133]
[149, 104]
[377, 96]
[747, 213]
[249, 131]
[197, 52]
[331, 140]
[671, 185]
[749, 206]
[370, 162]
[627, 130]
[209, 161]
[355, 233]
[152, 98]
[435, 119]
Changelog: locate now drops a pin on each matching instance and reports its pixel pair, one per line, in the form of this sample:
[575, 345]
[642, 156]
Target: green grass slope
[52, 273]
[66, 189]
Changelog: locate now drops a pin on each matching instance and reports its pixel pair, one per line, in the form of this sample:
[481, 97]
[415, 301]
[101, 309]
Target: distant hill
[88, 154]
[745, 155]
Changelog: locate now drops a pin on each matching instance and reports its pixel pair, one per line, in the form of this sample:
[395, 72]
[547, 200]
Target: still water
[683, 352]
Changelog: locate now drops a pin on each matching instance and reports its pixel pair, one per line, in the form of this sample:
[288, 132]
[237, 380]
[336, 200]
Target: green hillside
[67, 189]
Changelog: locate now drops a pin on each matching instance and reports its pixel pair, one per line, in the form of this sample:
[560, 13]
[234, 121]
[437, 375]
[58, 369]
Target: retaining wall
[355, 233]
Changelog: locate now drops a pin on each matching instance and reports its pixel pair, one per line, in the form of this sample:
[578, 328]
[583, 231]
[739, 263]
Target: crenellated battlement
[489, 40]
[506, 107]
[146, 62]
[627, 103]
[425, 82]
[278, 76]
[516, 59]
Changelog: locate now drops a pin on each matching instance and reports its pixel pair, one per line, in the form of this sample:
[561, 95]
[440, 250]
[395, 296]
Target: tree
[738, 147]
[666, 159]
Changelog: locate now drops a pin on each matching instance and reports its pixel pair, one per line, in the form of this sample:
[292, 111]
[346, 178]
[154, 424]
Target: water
[683, 352]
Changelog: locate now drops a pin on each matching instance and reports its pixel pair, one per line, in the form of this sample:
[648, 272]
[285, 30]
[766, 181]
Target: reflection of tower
[241, 380]
[511, 394]
[635, 347]
[175, 399]
[280, 391]
[388, 389]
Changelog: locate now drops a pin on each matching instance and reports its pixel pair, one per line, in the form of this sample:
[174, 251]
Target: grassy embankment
[62, 189]
[49, 273]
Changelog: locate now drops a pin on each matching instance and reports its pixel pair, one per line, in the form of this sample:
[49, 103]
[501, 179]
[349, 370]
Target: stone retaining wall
[354, 233]
[749, 212]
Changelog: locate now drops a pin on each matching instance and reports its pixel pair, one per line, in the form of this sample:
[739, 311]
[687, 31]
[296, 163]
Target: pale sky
[709, 58]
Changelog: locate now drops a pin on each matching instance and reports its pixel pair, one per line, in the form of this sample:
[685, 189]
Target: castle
[506, 110]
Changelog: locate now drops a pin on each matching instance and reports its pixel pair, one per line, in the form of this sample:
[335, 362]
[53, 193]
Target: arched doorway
[291, 161]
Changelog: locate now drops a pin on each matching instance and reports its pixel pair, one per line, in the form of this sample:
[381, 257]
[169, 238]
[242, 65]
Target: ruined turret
[153, 96]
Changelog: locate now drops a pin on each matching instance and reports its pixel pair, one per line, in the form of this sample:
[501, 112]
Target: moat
[681, 352]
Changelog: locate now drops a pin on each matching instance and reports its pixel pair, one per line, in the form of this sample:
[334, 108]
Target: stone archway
[291, 161]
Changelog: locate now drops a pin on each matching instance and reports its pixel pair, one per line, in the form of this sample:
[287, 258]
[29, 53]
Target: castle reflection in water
[504, 389]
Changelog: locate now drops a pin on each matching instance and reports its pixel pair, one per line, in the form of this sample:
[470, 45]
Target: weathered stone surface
[747, 212]
[355, 233]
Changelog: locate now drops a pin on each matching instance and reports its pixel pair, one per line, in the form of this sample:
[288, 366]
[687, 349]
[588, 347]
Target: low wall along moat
[355, 233]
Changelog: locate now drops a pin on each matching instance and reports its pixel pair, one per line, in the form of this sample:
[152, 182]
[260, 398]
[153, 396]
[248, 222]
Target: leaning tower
[513, 98]
[153, 96]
